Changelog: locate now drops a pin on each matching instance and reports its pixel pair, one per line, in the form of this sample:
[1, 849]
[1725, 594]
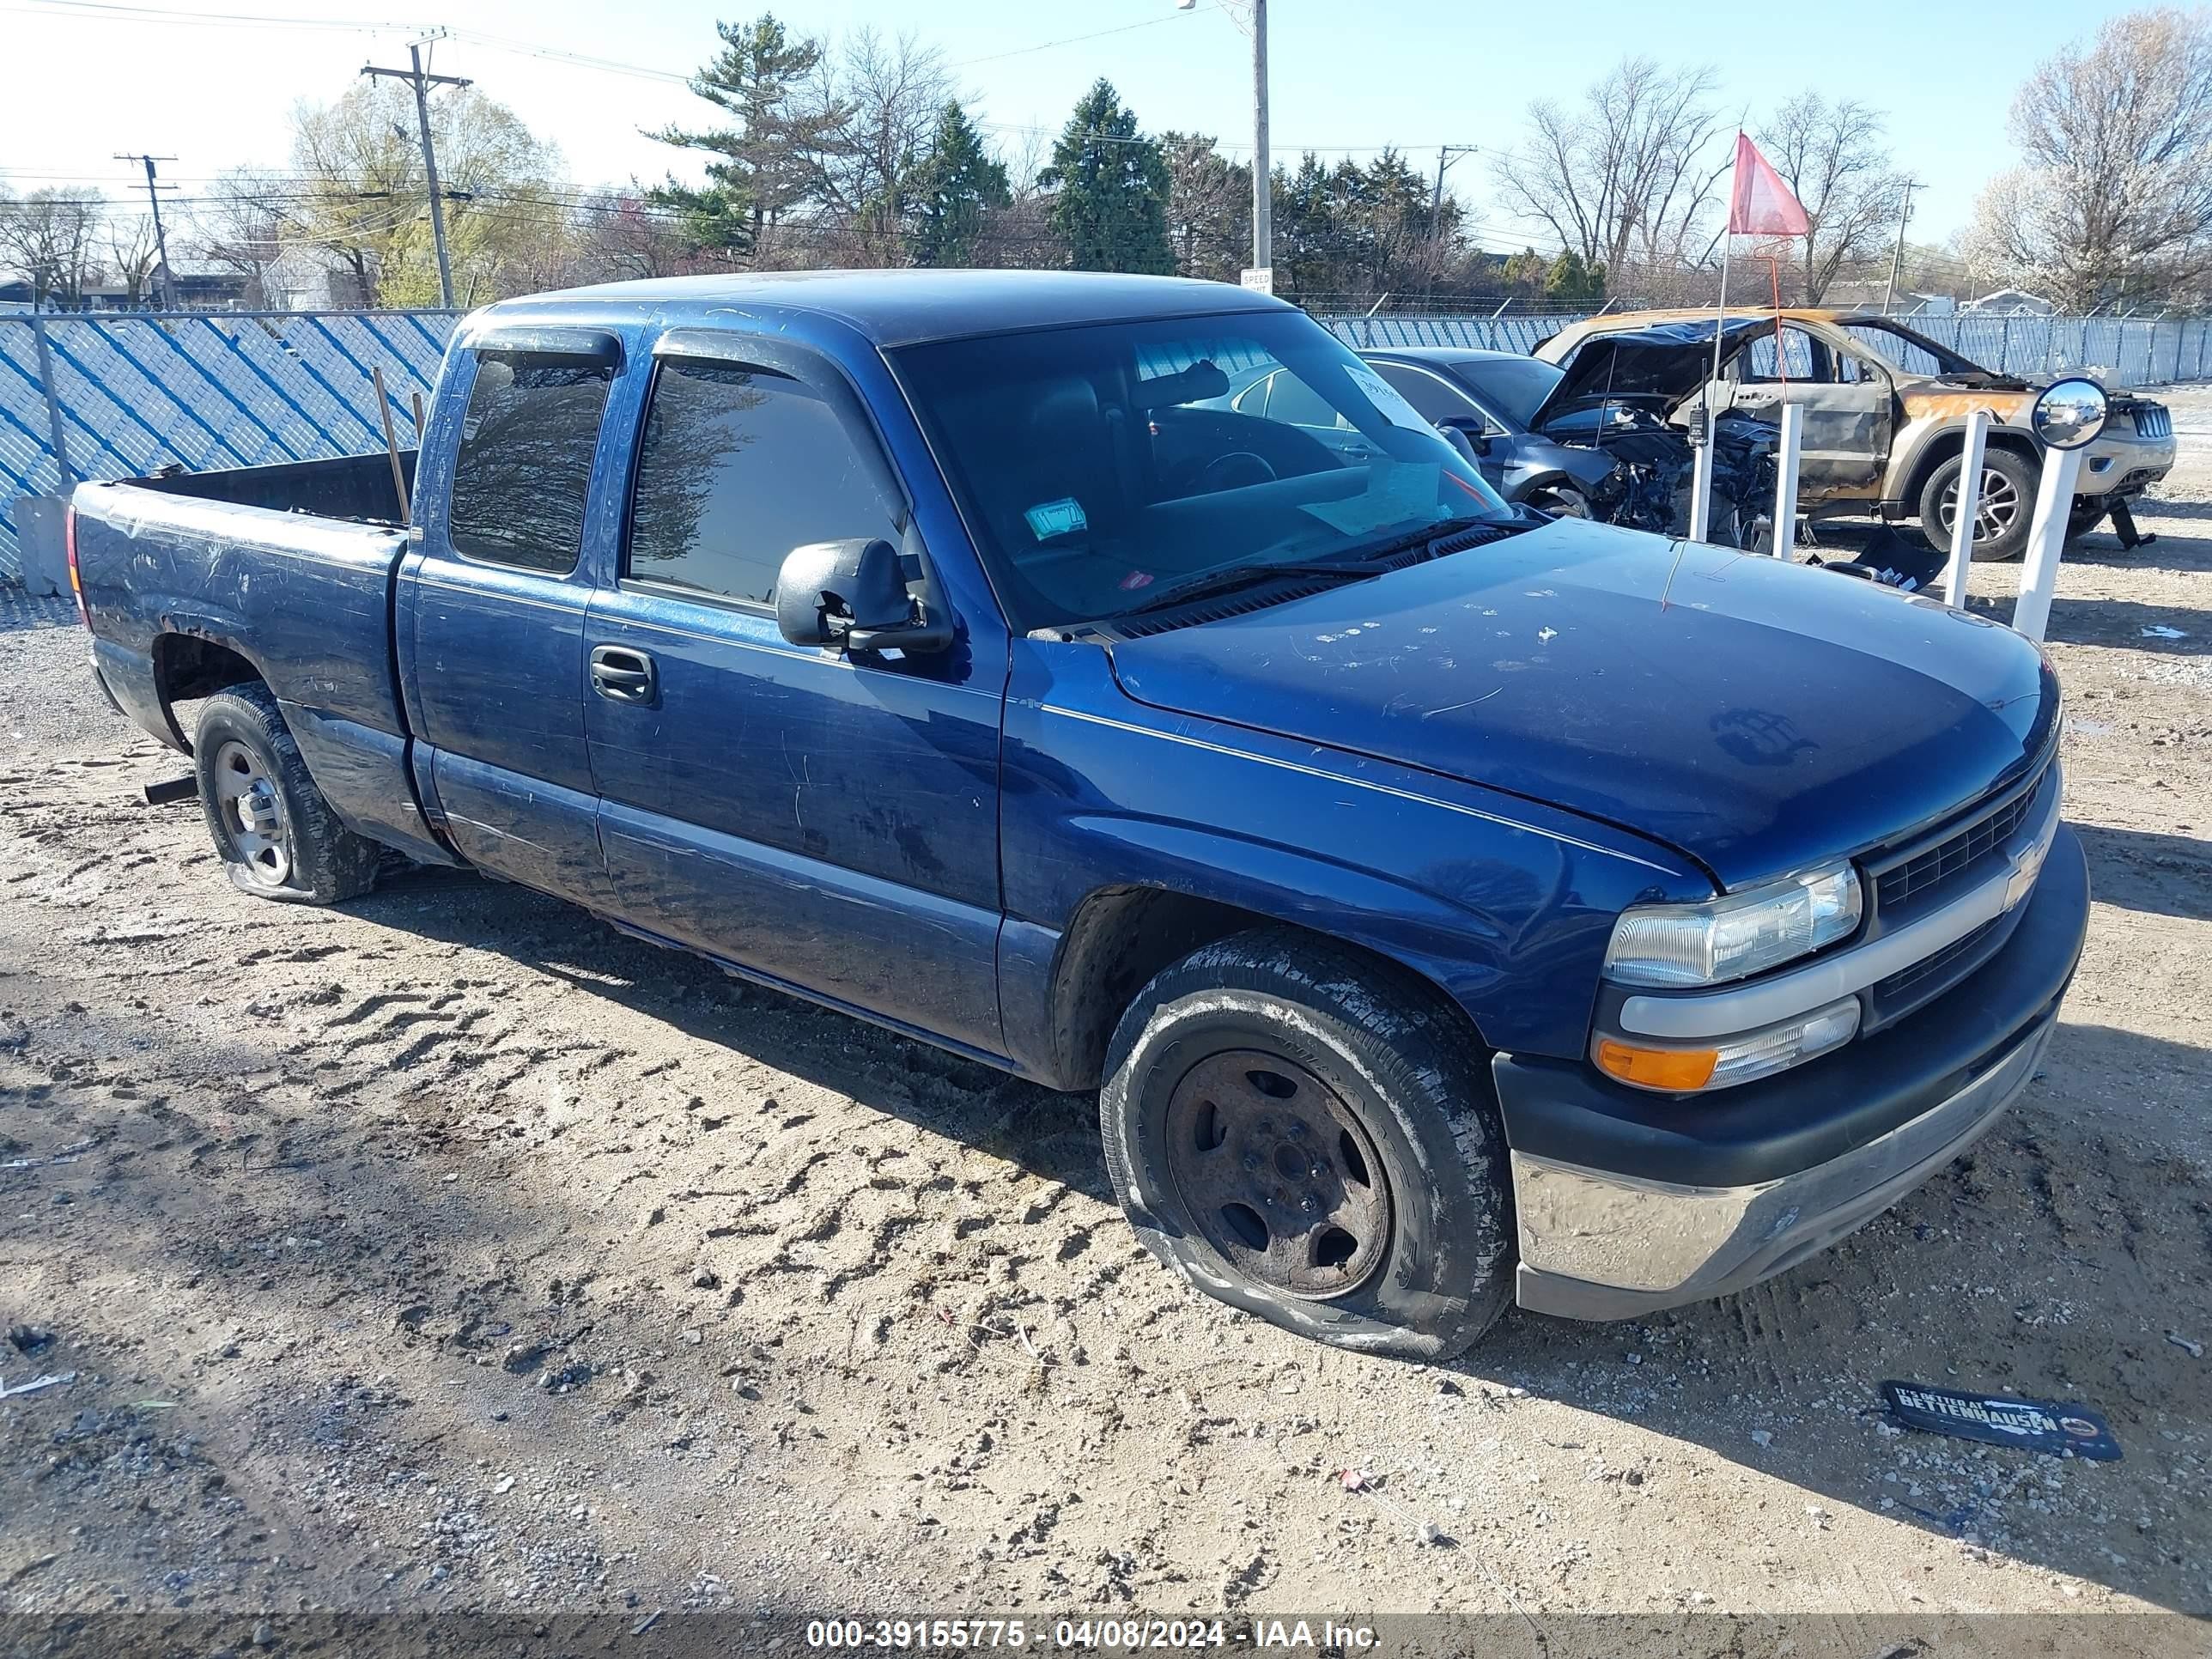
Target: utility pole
[1446, 155]
[1897, 259]
[1263, 229]
[1256, 25]
[422, 83]
[161, 241]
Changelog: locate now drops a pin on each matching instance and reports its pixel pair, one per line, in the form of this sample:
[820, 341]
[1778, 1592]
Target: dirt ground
[449, 1251]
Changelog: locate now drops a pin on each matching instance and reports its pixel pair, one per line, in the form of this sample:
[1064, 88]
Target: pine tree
[1110, 189]
[952, 191]
[764, 163]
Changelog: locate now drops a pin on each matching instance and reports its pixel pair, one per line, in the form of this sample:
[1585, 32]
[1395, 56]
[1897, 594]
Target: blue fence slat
[114, 339]
[398, 355]
[215, 383]
[263, 376]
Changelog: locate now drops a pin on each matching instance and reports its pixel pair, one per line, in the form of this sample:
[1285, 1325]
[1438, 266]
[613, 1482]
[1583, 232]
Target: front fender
[1503, 904]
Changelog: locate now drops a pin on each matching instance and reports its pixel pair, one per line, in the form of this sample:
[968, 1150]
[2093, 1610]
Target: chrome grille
[1954, 854]
[2151, 421]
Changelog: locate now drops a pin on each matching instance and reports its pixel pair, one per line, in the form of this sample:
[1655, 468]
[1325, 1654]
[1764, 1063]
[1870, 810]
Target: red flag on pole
[1760, 204]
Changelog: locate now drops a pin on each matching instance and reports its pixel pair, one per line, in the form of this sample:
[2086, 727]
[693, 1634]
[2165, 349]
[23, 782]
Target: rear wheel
[275, 834]
[1303, 1136]
[2001, 517]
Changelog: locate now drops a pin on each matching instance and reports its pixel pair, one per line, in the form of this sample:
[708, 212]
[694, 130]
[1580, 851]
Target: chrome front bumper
[1599, 1245]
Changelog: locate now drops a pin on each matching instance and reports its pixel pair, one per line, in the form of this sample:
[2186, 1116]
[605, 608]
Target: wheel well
[1120, 937]
[186, 667]
[1944, 446]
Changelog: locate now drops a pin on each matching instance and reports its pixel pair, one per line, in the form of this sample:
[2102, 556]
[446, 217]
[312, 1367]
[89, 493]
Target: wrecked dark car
[1595, 441]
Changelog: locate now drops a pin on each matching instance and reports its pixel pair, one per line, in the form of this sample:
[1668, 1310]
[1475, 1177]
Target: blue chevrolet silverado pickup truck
[1450, 906]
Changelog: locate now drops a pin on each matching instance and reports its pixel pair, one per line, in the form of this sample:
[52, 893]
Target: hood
[1770, 716]
[1658, 366]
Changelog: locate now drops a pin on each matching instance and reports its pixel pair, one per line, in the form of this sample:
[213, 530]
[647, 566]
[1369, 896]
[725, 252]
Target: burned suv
[1885, 414]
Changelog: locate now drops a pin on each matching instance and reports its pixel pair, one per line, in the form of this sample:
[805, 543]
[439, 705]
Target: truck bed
[291, 567]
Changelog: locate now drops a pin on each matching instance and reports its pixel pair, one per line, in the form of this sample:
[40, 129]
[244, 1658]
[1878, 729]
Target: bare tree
[133, 254]
[47, 238]
[239, 226]
[1209, 207]
[2114, 195]
[890, 93]
[619, 235]
[1625, 177]
[1834, 160]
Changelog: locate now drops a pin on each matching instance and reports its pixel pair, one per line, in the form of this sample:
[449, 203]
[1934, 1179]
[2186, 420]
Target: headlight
[1739, 1059]
[1736, 935]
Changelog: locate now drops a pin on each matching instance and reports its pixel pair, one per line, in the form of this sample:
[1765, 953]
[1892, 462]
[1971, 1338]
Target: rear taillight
[76, 582]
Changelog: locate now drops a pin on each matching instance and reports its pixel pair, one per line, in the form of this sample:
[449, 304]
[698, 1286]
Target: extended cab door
[1848, 403]
[491, 625]
[829, 821]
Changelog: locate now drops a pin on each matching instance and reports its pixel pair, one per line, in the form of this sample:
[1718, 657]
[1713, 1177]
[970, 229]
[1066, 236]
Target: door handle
[622, 675]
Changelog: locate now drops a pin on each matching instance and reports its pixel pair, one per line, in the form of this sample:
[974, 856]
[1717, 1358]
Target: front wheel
[2001, 517]
[1303, 1136]
[275, 834]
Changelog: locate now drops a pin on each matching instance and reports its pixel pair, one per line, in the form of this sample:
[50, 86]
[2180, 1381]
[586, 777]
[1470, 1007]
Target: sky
[212, 83]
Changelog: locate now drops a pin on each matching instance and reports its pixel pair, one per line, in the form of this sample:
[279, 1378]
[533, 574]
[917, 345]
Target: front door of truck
[491, 623]
[831, 822]
[1844, 446]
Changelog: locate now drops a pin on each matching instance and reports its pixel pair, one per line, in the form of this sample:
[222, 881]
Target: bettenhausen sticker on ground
[2035, 1424]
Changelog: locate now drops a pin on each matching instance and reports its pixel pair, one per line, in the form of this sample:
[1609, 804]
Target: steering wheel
[1235, 470]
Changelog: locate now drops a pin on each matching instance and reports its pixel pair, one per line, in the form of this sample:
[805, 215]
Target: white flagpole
[1701, 484]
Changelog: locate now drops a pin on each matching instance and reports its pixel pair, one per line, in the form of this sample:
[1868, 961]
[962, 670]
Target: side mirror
[1474, 432]
[853, 594]
[2070, 413]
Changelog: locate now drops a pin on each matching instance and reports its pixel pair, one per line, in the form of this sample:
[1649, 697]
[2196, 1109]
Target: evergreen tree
[1572, 282]
[1110, 187]
[766, 160]
[952, 191]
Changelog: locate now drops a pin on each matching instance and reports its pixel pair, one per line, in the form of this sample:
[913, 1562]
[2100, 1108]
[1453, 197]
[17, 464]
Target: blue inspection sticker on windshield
[1048, 519]
[2032, 1425]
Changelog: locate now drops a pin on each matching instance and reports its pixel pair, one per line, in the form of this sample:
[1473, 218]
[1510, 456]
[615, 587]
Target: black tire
[2088, 513]
[1562, 500]
[275, 834]
[2008, 483]
[1424, 1284]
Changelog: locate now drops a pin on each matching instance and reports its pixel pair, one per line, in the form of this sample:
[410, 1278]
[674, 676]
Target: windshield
[1100, 465]
[1515, 386]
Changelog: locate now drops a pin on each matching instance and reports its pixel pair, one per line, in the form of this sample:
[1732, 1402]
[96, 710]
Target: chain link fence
[119, 395]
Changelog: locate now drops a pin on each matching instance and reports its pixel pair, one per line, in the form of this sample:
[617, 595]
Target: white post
[1969, 506]
[1701, 488]
[1785, 482]
[1701, 480]
[2046, 535]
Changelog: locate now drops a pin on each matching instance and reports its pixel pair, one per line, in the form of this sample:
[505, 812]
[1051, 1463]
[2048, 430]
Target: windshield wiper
[1370, 561]
[1244, 576]
[1392, 545]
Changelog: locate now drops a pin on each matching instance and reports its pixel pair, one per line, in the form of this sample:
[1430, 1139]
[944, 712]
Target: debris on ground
[2040, 1426]
[2193, 1349]
[50, 1379]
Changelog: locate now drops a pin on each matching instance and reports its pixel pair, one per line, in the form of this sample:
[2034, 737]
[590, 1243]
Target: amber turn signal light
[1657, 1068]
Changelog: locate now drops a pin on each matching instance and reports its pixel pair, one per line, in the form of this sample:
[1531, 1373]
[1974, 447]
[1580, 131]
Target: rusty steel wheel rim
[1278, 1175]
